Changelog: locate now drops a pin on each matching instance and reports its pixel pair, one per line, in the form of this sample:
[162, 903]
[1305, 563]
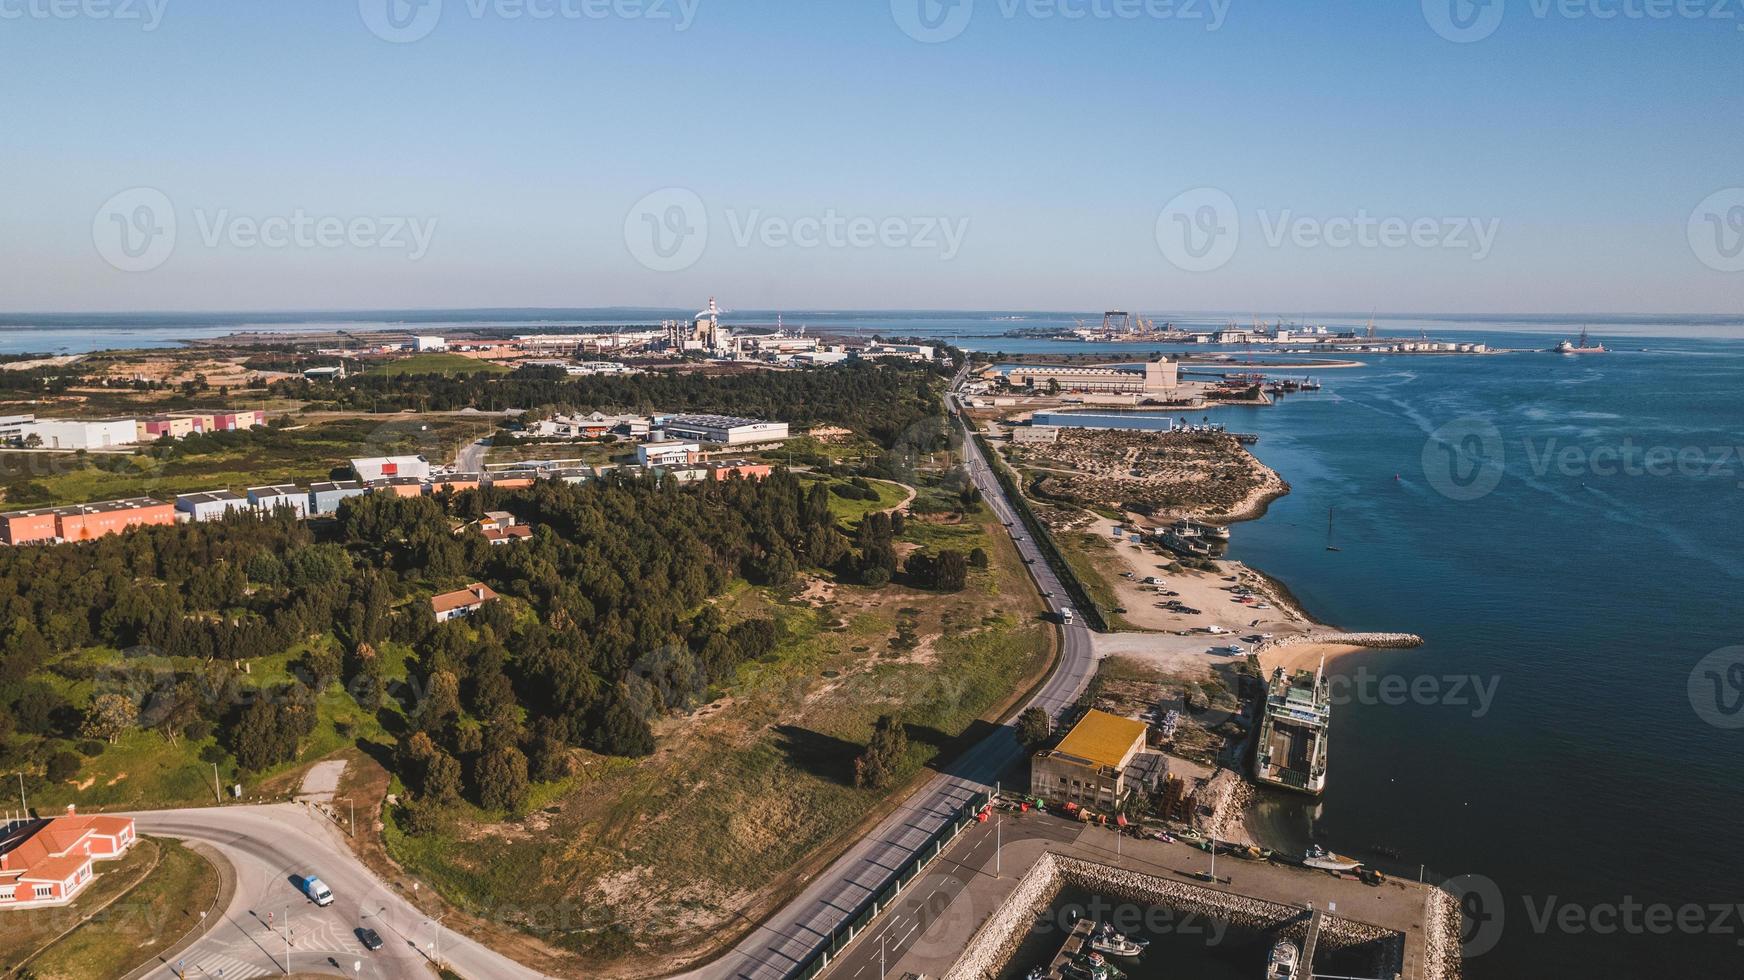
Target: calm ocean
[1570, 736]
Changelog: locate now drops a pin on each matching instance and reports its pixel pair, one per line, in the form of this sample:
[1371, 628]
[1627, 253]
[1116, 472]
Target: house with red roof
[50, 864]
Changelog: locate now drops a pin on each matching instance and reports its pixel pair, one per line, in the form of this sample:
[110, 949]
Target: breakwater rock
[1376, 641]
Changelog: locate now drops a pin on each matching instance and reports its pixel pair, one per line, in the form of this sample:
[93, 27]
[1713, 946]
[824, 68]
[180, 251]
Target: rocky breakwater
[1373, 641]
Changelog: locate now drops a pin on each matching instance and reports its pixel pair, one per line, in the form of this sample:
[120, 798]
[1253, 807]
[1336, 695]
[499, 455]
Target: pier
[1312, 941]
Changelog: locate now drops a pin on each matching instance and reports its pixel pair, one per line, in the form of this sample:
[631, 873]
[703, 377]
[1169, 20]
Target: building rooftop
[333, 487]
[1102, 739]
[473, 595]
[207, 496]
[715, 421]
[280, 490]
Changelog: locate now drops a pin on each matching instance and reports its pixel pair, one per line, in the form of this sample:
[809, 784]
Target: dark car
[370, 939]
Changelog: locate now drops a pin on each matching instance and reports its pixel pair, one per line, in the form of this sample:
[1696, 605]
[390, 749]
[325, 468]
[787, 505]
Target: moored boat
[1325, 860]
[1285, 963]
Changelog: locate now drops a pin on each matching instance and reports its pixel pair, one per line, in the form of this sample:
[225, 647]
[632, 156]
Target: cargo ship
[1584, 345]
[1291, 753]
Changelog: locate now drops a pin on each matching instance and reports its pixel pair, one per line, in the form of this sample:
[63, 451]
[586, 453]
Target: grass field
[153, 896]
[298, 455]
[439, 363]
[633, 862]
[849, 512]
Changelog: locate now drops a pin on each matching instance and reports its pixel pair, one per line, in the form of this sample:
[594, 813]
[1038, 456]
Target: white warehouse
[725, 430]
[81, 434]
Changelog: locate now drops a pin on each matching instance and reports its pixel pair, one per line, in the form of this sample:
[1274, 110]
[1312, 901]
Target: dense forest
[881, 400]
[603, 626]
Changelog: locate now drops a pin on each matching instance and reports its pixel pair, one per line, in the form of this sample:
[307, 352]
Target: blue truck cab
[317, 890]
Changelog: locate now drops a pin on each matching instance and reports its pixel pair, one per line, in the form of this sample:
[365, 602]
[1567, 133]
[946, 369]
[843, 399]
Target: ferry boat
[1293, 731]
[1583, 346]
[1285, 963]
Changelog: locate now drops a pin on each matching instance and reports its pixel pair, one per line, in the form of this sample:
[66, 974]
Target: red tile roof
[476, 594]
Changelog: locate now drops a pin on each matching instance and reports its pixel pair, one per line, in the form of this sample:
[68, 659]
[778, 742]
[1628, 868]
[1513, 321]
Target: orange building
[50, 864]
[399, 486]
[741, 468]
[28, 526]
[511, 482]
[87, 522]
[454, 483]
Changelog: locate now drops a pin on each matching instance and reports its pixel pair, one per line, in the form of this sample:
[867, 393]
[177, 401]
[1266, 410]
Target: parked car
[370, 939]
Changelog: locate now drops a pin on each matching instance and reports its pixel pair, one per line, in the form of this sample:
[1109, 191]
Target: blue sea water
[1563, 738]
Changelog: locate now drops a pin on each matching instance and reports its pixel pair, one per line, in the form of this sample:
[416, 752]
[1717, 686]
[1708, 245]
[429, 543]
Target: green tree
[1033, 728]
[876, 768]
[502, 779]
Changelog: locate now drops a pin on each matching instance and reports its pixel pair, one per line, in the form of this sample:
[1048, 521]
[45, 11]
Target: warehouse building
[324, 498]
[387, 467]
[80, 433]
[269, 499]
[725, 430]
[1161, 375]
[669, 452]
[209, 505]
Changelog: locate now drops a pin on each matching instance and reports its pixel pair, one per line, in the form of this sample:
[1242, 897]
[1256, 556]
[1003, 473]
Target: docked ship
[1584, 345]
[1293, 731]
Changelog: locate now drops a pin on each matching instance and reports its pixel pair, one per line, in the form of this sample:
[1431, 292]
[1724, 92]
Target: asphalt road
[781, 944]
[267, 845]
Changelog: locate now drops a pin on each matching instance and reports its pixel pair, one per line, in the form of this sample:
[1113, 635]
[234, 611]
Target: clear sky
[468, 153]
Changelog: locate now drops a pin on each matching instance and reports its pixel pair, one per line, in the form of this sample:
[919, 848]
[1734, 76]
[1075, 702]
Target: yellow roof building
[1102, 739]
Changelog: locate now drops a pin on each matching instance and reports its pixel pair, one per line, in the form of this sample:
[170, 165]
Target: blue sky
[1559, 164]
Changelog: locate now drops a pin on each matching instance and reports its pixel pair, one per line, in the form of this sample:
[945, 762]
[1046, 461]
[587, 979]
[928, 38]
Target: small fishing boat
[1285, 963]
[1325, 860]
[1107, 940]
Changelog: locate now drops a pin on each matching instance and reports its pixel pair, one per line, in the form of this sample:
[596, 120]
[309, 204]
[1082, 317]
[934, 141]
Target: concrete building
[1158, 376]
[726, 430]
[1036, 435]
[324, 498]
[455, 482]
[427, 343]
[453, 605]
[399, 486]
[913, 352]
[269, 499]
[209, 505]
[12, 428]
[513, 481]
[164, 427]
[1089, 765]
[669, 452]
[386, 467]
[81, 433]
[50, 864]
[87, 522]
[233, 421]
